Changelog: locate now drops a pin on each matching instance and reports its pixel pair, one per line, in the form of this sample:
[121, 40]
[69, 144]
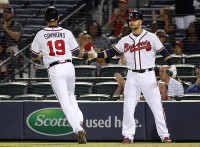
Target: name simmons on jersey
[141, 45]
[54, 35]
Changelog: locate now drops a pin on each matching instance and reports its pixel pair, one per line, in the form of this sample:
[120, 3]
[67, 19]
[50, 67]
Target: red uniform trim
[74, 49]
[117, 50]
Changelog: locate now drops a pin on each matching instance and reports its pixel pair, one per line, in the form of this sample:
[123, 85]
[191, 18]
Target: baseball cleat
[128, 140]
[166, 140]
[82, 137]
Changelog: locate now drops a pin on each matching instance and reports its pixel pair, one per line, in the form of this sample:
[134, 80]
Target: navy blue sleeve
[76, 53]
[164, 53]
[34, 55]
[111, 53]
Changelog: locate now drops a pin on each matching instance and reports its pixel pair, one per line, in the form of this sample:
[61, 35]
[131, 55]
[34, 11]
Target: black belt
[142, 70]
[59, 62]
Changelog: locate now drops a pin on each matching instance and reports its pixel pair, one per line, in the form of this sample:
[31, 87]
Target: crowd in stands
[10, 34]
[165, 23]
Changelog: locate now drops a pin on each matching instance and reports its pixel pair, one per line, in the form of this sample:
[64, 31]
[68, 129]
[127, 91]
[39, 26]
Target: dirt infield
[95, 144]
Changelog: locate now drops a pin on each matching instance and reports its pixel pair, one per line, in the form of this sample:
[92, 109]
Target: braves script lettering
[141, 45]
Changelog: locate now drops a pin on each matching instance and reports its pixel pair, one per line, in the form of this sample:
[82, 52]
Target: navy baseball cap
[8, 10]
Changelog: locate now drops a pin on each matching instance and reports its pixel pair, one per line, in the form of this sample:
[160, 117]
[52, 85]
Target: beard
[134, 27]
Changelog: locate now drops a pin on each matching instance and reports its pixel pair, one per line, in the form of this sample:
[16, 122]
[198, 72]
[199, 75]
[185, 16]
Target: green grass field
[95, 144]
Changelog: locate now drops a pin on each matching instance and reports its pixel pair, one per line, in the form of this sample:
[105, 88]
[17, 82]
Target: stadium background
[30, 81]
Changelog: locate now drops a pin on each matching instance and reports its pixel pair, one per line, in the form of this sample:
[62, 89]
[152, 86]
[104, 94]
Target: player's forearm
[105, 54]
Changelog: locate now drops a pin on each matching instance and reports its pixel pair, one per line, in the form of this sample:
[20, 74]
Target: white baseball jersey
[55, 43]
[139, 51]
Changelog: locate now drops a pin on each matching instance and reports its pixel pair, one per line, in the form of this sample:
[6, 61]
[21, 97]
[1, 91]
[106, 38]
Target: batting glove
[173, 70]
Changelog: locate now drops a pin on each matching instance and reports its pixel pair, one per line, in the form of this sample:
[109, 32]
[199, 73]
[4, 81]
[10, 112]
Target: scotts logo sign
[49, 121]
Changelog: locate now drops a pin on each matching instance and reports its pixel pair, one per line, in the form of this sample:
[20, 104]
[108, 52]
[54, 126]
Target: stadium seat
[42, 88]
[37, 5]
[159, 60]
[51, 97]
[13, 88]
[36, 21]
[188, 97]
[29, 97]
[114, 60]
[193, 59]
[94, 97]
[160, 3]
[5, 97]
[83, 88]
[41, 73]
[30, 31]
[67, 2]
[178, 59]
[115, 98]
[110, 70]
[185, 70]
[105, 88]
[85, 71]
[78, 61]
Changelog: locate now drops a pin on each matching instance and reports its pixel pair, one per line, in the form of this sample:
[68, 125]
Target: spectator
[178, 49]
[85, 41]
[118, 18]
[10, 31]
[166, 23]
[163, 87]
[100, 41]
[3, 5]
[124, 31]
[192, 40]
[178, 52]
[163, 38]
[195, 88]
[185, 13]
[3, 56]
[175, 88]
[10, 34]
[121, 83]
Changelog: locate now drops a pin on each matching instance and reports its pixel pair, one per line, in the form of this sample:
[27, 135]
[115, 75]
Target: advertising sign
[102, 121]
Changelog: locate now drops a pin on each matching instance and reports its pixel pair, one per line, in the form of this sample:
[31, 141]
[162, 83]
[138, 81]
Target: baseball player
[57, 45]
[140, 48]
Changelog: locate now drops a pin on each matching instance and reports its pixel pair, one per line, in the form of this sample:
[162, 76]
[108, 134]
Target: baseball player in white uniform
[57, 45]
[140, 48]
